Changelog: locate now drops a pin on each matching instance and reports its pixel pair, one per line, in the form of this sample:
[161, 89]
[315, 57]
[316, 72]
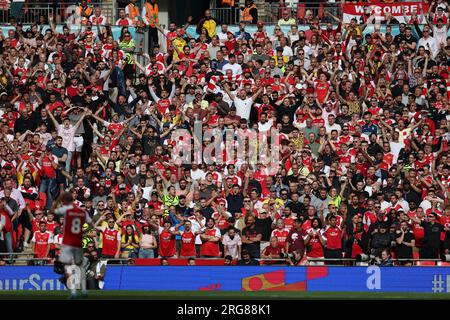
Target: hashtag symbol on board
[438, 283]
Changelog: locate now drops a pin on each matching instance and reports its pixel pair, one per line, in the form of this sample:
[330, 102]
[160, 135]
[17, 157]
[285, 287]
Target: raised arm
[52, 117]
[255, 96]
[153, 94]
[102, 121]
[227, 90]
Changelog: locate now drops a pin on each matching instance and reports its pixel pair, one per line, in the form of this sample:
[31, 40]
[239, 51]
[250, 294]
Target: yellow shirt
[20, 177]
[285, 59]
[357, 29]
[210, 26]
[298, 143]
[129, 247]
[278, 202]
[304, 172]
[179, 43]
[336, 201]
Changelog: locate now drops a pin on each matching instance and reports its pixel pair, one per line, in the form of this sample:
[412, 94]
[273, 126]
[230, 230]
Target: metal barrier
[299, 10]
[12, 259]
[32, 11]
[355, 262]
[226, 15]
[272, 12]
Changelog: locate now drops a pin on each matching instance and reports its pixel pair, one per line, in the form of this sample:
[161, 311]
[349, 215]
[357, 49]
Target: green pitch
[219, 295]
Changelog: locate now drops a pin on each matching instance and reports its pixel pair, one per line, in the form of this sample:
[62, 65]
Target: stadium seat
[425, 263]
[301, 10]
[443, 264]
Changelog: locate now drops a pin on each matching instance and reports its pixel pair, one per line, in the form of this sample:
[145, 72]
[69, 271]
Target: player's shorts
[78, 143]
[71, 255]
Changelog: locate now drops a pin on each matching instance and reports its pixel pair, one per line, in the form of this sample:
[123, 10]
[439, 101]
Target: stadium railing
[270, 13]
[60, 10]
[25, 259]
[22, 258]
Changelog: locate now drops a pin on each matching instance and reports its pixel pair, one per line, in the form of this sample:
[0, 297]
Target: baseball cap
[260, 24]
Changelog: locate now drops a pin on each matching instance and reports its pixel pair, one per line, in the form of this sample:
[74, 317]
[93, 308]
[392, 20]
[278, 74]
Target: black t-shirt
[374, 148]
[351, 212]
[403, 251]
[289, 111]
[207, 212]
[251, 262]
[297, 207]
[235, 202]
[291, 178]
[432, 238]
[287, 128]
[265, 226]
[399, 38]
[410, 39]
[342, 119]
[253, 248]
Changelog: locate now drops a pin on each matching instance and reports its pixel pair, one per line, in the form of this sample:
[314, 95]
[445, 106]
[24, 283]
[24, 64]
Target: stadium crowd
[364, 164]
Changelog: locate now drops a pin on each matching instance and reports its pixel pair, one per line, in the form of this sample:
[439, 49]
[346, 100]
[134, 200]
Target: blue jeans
[146, 253]
[9, 245]
[118, 80]
[50, 188]
[69, 160]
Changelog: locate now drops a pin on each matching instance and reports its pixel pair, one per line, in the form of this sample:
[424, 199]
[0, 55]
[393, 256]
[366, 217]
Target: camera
[365, 257]
[445, 257]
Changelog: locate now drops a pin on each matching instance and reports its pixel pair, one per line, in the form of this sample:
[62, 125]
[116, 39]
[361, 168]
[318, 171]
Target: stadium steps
[27, 253]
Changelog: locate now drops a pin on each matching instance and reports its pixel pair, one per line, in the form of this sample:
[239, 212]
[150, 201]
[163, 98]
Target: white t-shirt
[395, 149]
[232, 245]
[440, 34]
[287, 52]
[264, 127]
[222, 37]
[235, 68]
[197, 174]
[67, 135]
[335, 126]
[243, 107]
[195, 227]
